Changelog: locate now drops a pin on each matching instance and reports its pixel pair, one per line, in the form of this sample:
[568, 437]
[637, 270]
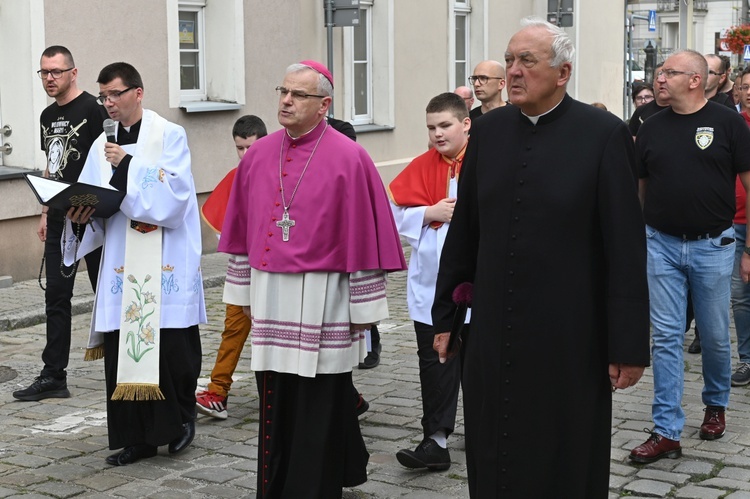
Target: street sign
[343, 12]
[652, 20]
[746, 53]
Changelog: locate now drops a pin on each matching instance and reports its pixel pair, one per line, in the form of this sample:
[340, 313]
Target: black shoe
[44, 387]
[372, 359]
[428, 455]
[129, 455]
[695, 346]
[184, 440]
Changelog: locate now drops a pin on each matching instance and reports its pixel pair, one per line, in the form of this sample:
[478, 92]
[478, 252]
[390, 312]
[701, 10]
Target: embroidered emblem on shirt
[151, 176]
[142, 227]
[168, 282]
[704, 136]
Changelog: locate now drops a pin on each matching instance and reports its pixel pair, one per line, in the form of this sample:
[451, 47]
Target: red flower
[737, 38]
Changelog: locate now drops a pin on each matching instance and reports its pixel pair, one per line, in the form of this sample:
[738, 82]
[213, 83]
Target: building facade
[207, 62]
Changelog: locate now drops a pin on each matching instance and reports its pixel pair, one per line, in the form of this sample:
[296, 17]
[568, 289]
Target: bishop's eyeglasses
[56, 73]
[296, 94]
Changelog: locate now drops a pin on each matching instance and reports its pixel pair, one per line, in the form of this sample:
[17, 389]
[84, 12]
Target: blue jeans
[704, 267]
[741, 298]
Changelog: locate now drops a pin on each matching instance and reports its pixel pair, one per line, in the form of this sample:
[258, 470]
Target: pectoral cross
[285, 223]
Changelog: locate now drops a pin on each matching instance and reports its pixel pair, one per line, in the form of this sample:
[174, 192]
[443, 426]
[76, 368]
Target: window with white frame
[192, 51]
[368, 68]
[362, 66]
[462, 42]
[206, 51]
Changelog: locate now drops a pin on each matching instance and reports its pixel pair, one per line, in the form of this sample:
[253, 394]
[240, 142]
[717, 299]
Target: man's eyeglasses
[743, 88]
[113, 97]
[483, 79]
[671, 73]
[644, 98]
[56, 73]
[296, 94]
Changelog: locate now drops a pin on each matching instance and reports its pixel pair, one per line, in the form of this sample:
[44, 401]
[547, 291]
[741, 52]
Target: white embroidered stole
[138, 352]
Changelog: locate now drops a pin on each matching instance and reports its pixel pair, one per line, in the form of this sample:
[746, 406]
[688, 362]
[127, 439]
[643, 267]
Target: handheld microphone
[110, 126]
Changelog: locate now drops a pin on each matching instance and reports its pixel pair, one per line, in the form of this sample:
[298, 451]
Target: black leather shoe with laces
[131, 454]
[428, 454]
[44, 387]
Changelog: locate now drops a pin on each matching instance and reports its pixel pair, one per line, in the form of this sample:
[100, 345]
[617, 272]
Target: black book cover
[63, 195]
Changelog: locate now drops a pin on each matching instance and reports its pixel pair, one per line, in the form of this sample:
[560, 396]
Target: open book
[62, 195]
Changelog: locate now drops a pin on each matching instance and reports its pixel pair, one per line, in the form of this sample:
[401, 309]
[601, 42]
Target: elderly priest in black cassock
[549, 229]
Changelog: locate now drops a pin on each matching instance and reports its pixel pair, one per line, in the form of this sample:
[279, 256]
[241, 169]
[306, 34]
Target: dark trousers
[58, 295]
[439, 382]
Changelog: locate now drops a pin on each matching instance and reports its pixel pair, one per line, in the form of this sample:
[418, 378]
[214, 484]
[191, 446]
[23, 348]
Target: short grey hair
[324, 86]
[562, 46]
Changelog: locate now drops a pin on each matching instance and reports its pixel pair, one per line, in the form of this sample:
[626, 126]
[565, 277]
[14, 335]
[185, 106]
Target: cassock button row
[512, 254]
[294, 146]
[518, 200]
[273, 219]
[509, 328]
[520, 182]
[288, 159]
[516, 219]
[513, 237]
[505, 416]
[510, 291]
[278, 204]
[524, 164]
[264, 264]
[506, 400]
[505, 435]
[510, 272]
[510, 309]
[268, 249]
[507, 345]
[507, 381]
[270, 234]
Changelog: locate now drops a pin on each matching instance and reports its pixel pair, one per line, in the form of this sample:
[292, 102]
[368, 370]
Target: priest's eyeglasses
[483, 79]
[671, 73]
[113, 97]
[296, 94]
[56, 73]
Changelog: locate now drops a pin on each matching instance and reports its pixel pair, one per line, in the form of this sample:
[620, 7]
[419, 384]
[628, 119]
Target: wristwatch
[746, 250]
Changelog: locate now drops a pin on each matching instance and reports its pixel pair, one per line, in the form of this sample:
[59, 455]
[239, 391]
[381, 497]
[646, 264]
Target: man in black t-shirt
[688, 158]
[69, 126]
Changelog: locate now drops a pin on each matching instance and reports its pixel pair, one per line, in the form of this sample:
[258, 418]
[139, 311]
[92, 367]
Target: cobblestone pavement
[56, 447]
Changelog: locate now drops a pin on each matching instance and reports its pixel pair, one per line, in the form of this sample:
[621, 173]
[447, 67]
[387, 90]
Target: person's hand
[247, 312]
[358, 328]
[442, 211]
[440, 345]
[624, 375]
[41, 229]
[745, 268]
[80, 214]
[113, 153]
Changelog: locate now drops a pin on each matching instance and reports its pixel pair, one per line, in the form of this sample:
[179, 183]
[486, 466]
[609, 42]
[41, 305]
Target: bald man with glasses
[488, 82]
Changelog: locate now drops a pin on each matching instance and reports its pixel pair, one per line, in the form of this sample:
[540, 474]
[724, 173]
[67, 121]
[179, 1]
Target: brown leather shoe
[655, 448]
[713, 426]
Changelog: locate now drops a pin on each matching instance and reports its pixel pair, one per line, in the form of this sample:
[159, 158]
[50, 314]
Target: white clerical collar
[307, 132]
[535, 119]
